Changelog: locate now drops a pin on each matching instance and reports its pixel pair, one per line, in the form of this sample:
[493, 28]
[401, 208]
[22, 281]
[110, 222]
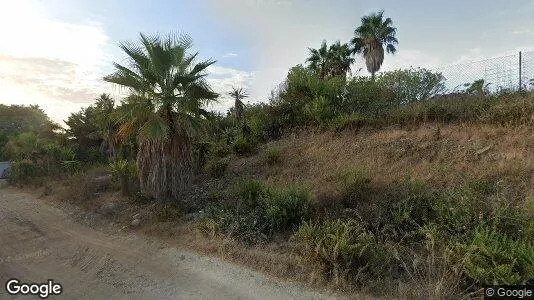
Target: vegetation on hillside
[371, 182]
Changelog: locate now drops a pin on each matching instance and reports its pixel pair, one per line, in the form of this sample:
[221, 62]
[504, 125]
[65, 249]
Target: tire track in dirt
[39, 242]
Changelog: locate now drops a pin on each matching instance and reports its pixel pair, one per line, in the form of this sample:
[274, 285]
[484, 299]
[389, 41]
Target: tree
[319, 60]
[238, 94]
[370, 38]
[106, 125]
[331, 61]
[168, 92]
[85, 133]
[340, 59]
[16, 119]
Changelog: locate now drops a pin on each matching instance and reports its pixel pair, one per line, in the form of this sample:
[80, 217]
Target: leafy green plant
[341, 249]
[493, 258]
[244, 223]
[243, 146]
[251, 192]
[23, 170]
[125, 172]
[412, 85]
[288, 207]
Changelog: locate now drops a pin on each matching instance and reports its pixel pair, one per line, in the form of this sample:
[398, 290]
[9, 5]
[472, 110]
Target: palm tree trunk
[165, 167]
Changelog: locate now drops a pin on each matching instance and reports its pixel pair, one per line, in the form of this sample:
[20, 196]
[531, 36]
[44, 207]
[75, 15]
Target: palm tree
[340, 59]
[167, 93]
[107, 128]
[319, 60]
[238, 94]
[370, 38]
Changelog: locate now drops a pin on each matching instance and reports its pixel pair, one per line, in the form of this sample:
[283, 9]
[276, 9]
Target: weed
[216, 167]
[243, 146]
[272, 156]
[288, 207]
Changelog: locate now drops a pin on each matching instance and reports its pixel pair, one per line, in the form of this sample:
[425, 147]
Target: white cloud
[49, 62]
[222, 79]
[230, 54]
[526, 32]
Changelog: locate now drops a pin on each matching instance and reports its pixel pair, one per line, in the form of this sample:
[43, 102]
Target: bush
[216, 167]
[220, 149]
[244, 223]
[343, 249]
[412, 85]
[272, 156]
[251, 192]
[288, 207]
[368, 98]
[243, 146]
[126, 173]
[22, 171]
[493, 258]
[305, 98]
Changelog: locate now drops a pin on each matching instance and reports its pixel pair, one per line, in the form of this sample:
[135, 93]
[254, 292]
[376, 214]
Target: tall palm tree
[238, 94]
[340, 59]
[319, 60]
[370, 38]
[167, 93]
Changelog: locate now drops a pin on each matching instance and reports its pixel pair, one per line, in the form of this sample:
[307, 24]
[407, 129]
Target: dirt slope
[40, 242]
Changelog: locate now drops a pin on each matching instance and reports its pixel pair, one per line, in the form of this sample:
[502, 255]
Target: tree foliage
[168, 91]
[371, 37]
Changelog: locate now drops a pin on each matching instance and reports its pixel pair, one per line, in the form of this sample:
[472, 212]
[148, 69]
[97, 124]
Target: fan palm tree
[238, 94]
[340, 59]
[167, 93]
[319, 60]
[370, 38]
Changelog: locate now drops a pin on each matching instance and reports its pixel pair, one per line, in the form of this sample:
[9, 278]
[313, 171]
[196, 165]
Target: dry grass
[444, 157]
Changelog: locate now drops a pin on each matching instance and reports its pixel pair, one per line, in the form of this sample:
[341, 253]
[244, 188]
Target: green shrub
[251, 192]
[288, 207]
[493, 258]
[343, 249]
[124, 172]
[220, 149]
[243, 146]
[413, 209]
[272, 156]
[22, 171]
[412, 85]
[305, 98]
[246, 219]
[459, 211]
[244, 223]
[216, 167]
[368, 98]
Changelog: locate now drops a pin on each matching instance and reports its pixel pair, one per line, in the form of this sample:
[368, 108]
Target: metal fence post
[520, 83]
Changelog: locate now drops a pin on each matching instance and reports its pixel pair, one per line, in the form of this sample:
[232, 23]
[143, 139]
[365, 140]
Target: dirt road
[40, 242]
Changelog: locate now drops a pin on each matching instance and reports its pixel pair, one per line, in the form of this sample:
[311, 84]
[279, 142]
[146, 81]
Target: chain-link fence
[500, 74]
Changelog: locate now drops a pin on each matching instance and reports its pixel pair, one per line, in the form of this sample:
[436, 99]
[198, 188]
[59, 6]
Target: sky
[54, 53]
